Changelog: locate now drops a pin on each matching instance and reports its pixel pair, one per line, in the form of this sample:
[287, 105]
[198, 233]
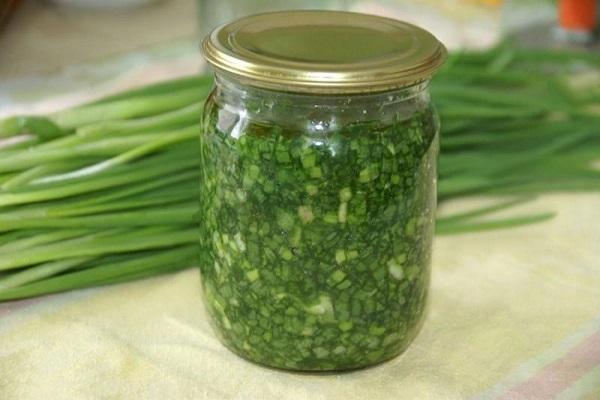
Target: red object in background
[578, 14]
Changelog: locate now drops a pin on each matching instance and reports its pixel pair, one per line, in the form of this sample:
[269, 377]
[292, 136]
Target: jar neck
[276, 106]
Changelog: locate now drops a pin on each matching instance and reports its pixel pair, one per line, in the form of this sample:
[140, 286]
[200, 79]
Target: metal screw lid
[324, 52]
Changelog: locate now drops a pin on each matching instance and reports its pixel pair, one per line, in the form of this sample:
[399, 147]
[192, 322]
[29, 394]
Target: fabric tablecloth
[514, 314]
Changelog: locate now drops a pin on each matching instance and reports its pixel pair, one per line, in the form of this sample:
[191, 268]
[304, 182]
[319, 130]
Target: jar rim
[324, 52]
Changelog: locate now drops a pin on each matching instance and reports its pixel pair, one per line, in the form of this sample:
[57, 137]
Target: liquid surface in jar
[316, 248]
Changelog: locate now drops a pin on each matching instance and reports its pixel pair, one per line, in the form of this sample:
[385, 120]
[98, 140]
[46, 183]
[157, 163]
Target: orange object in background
[578, 14]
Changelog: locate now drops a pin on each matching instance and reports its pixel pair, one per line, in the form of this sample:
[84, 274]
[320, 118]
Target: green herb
[515, 123]
[333, 271]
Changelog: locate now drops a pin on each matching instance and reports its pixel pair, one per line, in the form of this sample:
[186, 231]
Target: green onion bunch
[516, 123]
[106, 192]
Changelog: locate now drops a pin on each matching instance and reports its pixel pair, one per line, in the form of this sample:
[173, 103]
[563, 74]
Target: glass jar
[318, 205]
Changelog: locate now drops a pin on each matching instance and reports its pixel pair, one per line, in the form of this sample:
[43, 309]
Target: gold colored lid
[324, 52]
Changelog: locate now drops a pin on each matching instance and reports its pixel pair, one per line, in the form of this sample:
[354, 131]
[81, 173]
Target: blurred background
[52, 47]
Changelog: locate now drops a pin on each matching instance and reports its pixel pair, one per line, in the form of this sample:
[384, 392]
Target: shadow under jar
[318, 193]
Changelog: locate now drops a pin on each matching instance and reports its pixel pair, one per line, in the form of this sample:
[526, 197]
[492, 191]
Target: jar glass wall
[317, 222]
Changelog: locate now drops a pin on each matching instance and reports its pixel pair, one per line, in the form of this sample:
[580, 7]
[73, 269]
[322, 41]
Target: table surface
[514, 314]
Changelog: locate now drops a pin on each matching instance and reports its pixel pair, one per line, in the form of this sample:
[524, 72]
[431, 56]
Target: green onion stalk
[106, 192]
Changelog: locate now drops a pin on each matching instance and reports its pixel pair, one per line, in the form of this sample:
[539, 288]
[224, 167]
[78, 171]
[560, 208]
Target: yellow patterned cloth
[514, 314]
